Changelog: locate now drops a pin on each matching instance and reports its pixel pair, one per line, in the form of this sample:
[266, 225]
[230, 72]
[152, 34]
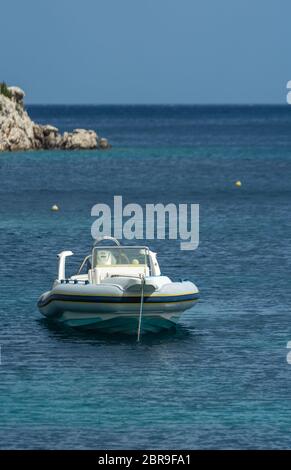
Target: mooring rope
[140, 309]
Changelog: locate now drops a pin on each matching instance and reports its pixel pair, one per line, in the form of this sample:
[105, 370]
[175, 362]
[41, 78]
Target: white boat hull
[113, 310]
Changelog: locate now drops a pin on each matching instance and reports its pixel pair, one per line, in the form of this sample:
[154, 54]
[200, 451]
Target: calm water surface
[222, 380]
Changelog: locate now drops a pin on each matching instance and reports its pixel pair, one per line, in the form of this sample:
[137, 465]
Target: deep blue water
[222, 380]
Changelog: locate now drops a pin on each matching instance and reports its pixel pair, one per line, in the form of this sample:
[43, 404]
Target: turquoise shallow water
[222, 380]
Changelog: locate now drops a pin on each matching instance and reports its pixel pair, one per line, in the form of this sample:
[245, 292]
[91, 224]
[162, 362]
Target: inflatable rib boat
[121, 291]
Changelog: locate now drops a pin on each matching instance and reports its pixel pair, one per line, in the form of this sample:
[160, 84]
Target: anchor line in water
[140, 308]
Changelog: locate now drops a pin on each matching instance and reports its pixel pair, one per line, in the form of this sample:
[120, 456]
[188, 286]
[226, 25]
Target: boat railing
[75, 281]
[83, 264]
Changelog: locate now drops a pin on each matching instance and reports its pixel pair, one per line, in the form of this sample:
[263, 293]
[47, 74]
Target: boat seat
[152, 283]
[98, 274]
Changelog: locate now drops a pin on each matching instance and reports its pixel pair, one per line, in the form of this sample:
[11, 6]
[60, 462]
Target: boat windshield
[120, 256]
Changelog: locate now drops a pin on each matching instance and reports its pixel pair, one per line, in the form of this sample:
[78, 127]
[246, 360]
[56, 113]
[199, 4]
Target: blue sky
[147, 51]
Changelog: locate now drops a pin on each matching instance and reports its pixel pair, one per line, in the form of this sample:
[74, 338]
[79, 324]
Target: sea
[222, 379]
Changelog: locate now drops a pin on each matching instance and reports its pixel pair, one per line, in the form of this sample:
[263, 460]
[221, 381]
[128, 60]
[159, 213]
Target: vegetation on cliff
[4, 90]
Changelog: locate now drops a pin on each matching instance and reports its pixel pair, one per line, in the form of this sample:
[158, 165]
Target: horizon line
[157, 104]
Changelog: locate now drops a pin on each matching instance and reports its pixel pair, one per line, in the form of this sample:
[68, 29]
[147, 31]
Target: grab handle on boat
[141, 307]
[62, 264]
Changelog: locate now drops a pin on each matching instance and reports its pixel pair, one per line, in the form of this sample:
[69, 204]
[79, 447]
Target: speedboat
[118, 289]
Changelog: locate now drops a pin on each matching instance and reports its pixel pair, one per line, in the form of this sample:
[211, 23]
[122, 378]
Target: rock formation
[80, 139]
[19, 132]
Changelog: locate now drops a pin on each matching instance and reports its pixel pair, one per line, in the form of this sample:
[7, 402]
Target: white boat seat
[152, 283]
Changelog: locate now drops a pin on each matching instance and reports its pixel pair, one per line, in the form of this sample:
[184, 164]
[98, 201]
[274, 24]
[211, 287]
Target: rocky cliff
[19, 132]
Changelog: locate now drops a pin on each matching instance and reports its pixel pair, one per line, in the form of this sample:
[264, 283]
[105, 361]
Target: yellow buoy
[238, 184]
[55, 208]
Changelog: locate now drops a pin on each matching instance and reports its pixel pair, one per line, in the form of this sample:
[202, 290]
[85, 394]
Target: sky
[147, 51]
